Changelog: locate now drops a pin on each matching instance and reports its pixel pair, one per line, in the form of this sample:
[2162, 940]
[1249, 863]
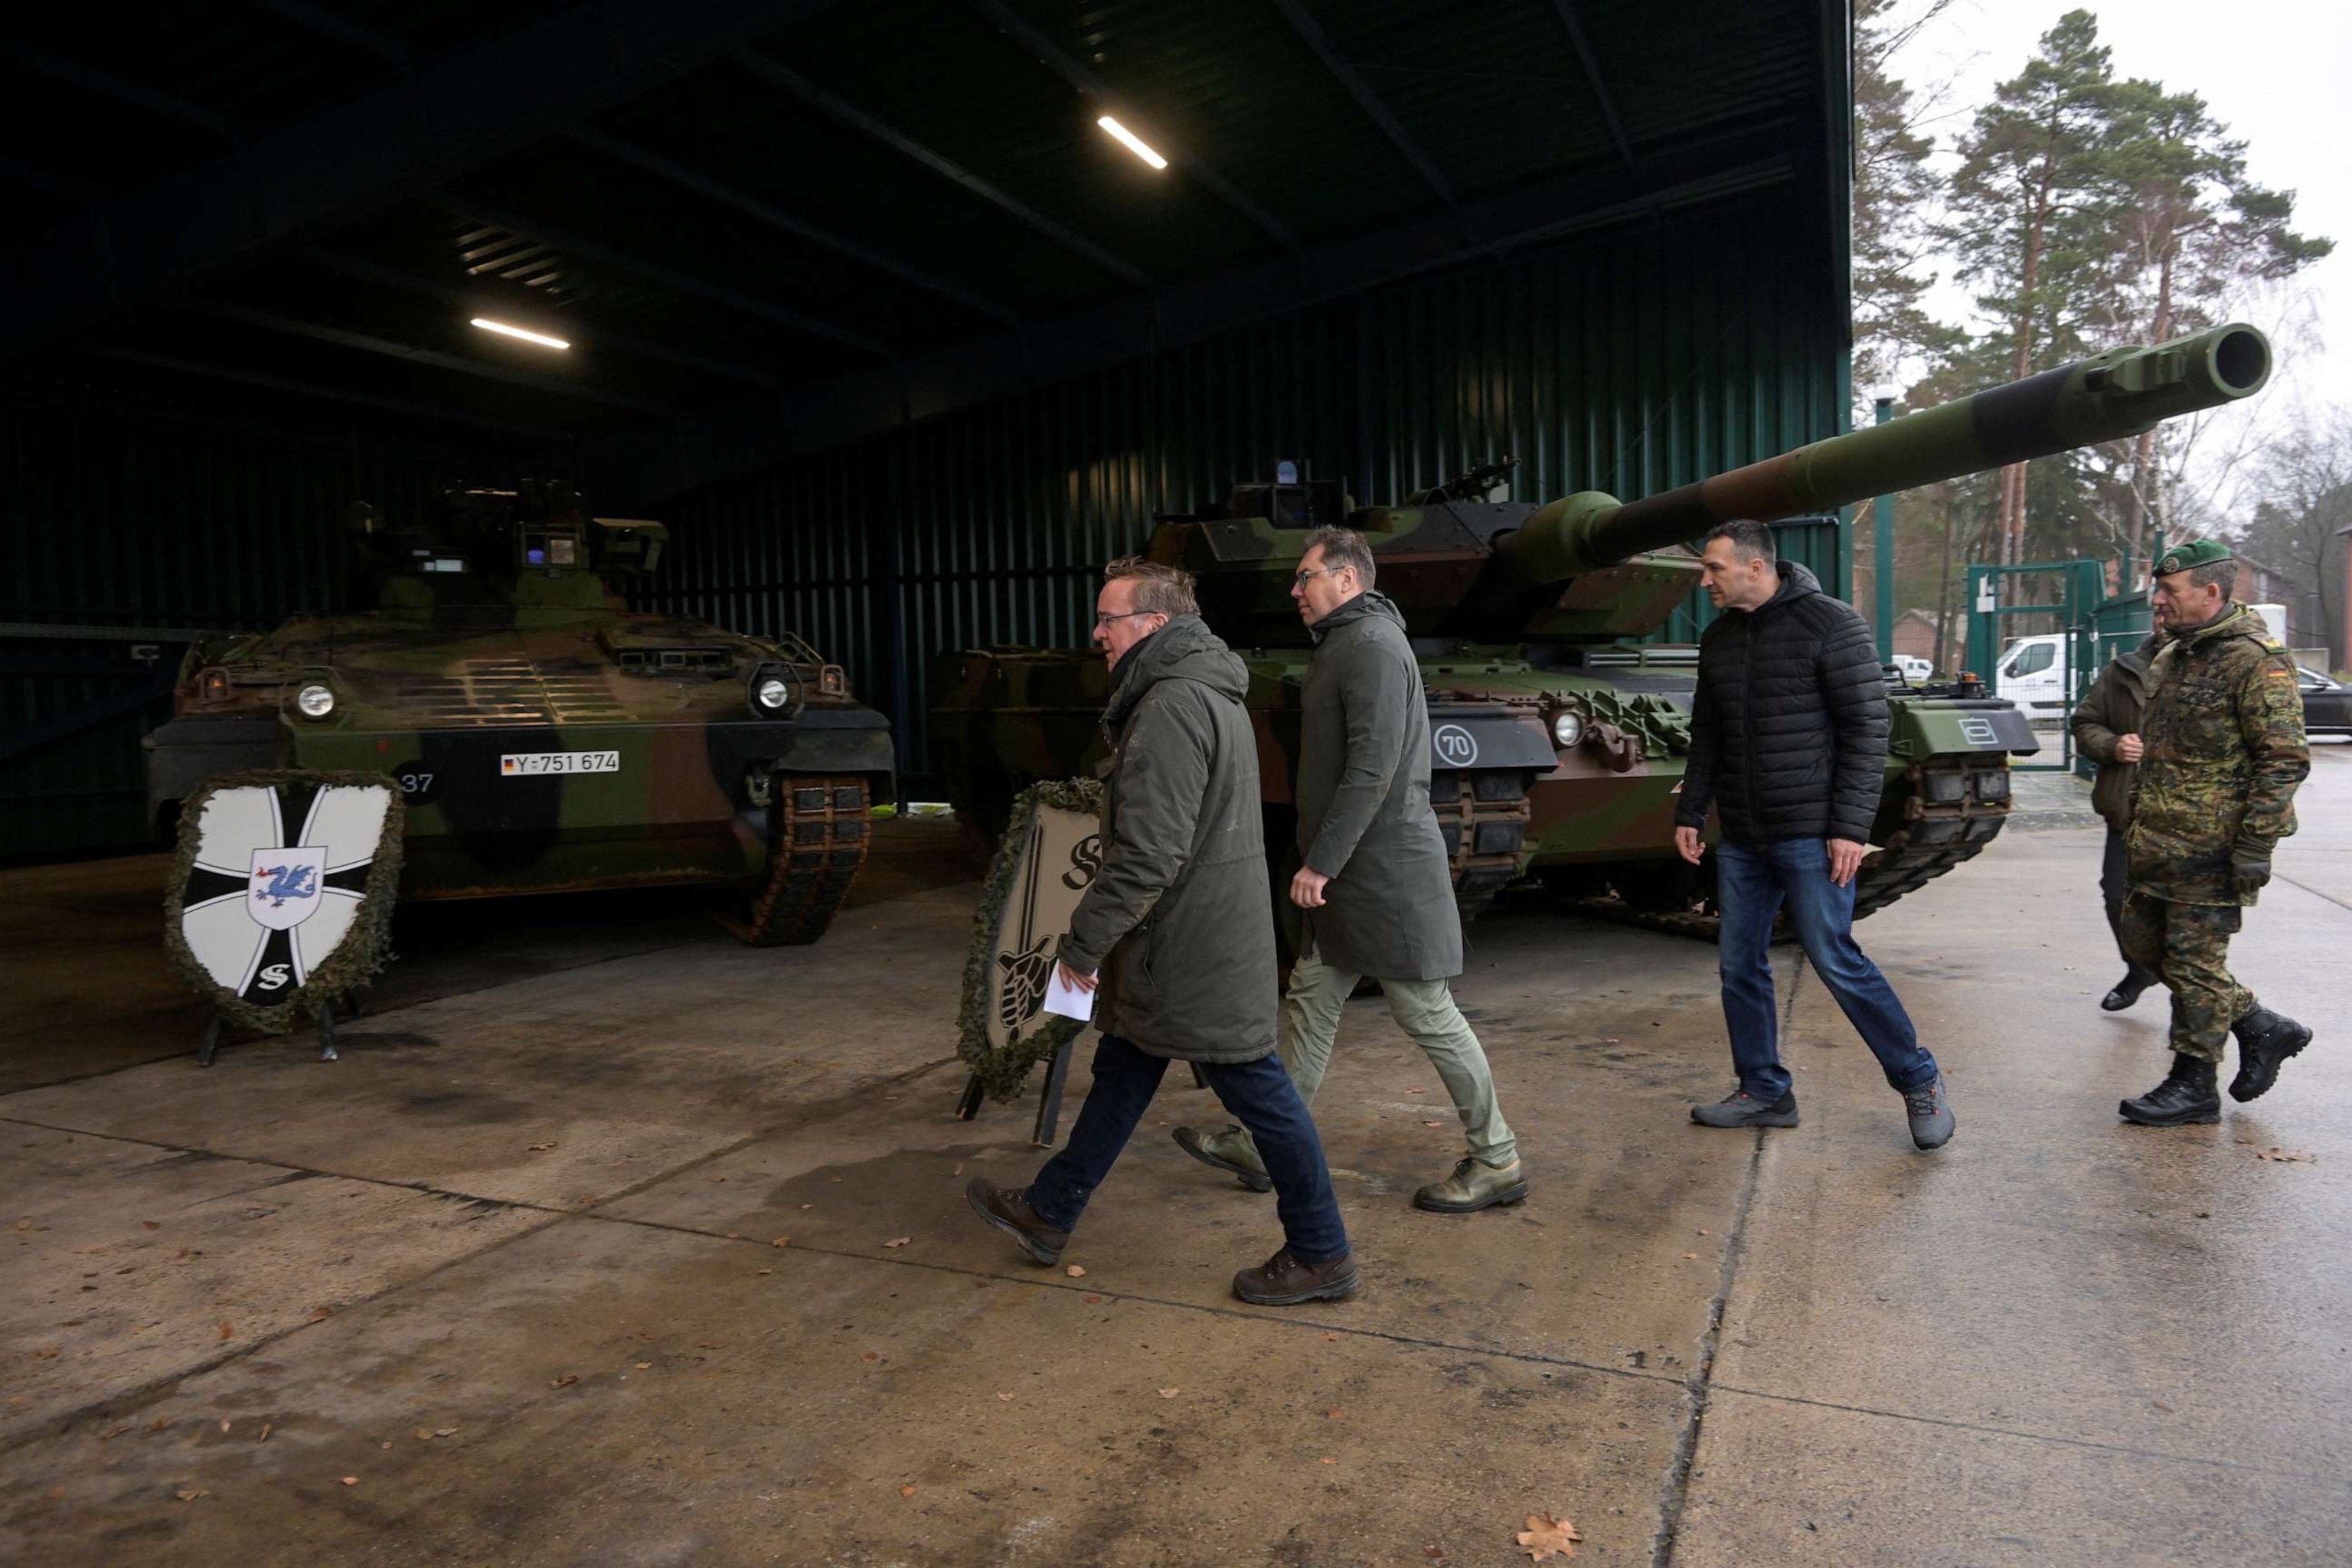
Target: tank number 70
[414, 784]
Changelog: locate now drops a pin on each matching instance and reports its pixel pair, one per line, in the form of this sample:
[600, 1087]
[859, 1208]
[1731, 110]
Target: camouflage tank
[545, 738]
[1558, 744]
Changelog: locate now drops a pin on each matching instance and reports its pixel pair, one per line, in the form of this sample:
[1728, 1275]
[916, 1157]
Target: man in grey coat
[1375, 883]
[1175, 937]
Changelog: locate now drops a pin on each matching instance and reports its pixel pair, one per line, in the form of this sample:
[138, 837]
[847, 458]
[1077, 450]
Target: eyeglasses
[1124, 615]
[1300, 578]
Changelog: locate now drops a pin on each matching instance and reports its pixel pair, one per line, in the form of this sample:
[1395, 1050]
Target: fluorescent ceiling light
[1132, 142]
[542, 339]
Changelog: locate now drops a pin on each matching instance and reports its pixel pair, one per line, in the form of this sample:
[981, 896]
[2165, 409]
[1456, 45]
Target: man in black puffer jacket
[1789, 744]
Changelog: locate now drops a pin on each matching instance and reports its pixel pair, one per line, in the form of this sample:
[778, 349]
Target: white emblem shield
[285, 886]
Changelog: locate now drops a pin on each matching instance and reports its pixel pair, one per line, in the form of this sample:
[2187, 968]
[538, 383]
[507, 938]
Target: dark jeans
[1752, 881]
[1260, 1097]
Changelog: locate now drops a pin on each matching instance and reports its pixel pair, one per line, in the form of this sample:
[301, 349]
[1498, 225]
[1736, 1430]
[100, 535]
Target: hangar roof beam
[409, 406]
[1308, 28]
[774, 217]
[170, 106]
[1591, 63]
[1018, 29]
[436, 122]
[856, 119]
[359, 35]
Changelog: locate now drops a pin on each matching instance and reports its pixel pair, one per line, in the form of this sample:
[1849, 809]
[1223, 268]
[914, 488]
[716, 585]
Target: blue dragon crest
[288, 882]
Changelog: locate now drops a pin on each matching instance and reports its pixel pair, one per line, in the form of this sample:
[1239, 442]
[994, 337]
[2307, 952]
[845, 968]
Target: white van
[2031, 673]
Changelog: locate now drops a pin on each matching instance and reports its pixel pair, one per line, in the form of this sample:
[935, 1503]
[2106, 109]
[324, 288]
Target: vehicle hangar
[610, 1238]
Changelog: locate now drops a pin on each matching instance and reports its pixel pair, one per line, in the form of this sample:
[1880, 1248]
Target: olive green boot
[1230, 1150]
[1474, 1185]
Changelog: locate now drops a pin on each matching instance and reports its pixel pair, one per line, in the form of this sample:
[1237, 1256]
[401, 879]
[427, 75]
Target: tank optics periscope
[504, 331]
[316, 701]
[1126, 138]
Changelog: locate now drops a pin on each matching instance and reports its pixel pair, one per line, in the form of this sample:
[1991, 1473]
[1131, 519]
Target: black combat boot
[2188, 1094]
[2126, 990]
[2265, 1039]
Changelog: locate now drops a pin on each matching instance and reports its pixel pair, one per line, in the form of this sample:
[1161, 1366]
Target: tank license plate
[532, 764]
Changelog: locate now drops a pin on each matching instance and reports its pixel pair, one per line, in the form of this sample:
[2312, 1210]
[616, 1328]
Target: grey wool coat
[1179, 921]
[1364, 819]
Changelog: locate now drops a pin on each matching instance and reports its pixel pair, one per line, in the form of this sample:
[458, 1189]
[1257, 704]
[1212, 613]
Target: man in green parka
[2222, 752]
[1175, 938]
[1375, 884]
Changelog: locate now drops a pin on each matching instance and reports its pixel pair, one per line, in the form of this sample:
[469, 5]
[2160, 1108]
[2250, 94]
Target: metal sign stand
[218, 1026]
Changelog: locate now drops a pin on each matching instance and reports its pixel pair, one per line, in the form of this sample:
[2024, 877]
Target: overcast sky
[2277, 72]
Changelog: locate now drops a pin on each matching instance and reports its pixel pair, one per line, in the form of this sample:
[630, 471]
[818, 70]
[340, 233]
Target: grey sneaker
[1930, 1110]
[1744, 1110]
[1230, 1150]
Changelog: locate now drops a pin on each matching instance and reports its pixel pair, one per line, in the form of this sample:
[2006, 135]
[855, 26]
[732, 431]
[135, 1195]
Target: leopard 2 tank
[1557, 742]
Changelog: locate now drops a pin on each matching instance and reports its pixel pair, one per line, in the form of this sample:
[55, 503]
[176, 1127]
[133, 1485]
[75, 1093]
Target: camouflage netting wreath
[1051, 851]
[281, 891]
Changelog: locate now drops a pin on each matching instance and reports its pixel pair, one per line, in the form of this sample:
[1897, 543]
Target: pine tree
[1895, 194]
[2035, 207]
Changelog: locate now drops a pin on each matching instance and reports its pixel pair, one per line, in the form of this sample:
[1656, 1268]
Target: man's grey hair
[2222, 572]
[1159, 590]
[1344, 547]
[1751, 541]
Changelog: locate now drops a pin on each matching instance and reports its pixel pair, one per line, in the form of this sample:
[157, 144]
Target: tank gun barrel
[2113, 396]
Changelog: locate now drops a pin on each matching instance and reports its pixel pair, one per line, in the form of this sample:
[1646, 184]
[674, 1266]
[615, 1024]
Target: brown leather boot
[1284, 1281]
[1007, 1208]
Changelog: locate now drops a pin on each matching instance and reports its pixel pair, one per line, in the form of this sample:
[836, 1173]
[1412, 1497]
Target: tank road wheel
[821, 826]
[1484, 817]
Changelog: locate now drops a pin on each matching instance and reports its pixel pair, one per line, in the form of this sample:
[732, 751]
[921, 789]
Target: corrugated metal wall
[1630, 365]
[139, 525]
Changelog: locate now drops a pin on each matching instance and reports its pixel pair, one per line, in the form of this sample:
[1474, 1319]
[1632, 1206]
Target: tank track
[1484, 817]
[825, 823]
[1937, 833]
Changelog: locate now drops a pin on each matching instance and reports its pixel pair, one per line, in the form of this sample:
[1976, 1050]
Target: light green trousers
[1423, 1009]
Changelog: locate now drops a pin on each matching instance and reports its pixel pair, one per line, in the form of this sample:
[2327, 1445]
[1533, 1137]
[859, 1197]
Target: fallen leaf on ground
[1432, 1124]
[228, 1330]
[445, 1431]
[1547, 1537]
[1094, 1301]
[321, 1314]
[1074, 1271]
[1330, 1461]
[385, 1446]
[718, 1178]
[644, 1366]
[1006, 1397]
[1335, 1416]
[711, 1344]
[1333, 1338]
[151, 1224]
[1415, 1091]
[734, 1236]
[43, 1352]
[224, 1425]
[118, 1432]
[808, 1205]
[898, 1241]
[782, 1241]
[538, 1148]
[158, 1424]
[1690, 1255]
[766, 1271]
[906, 1491]
[2161, 1404]
[1432, 1551]
[2287, 1157]
[869, 1355]
[424, 1434]
[266, 1430]
[350, 1480]
[1170, 1393]
[958, 1169]
[192, 1494]
[1702, 1233]
[566, 1380]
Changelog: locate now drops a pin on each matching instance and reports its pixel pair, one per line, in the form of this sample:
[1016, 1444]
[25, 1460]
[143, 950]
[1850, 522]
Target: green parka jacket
[1364, 819]
[1178, 921]
[2225, 751]
[2108, 712]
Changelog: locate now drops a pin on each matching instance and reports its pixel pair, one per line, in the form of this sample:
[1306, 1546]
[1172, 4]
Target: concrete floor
[504, 1284]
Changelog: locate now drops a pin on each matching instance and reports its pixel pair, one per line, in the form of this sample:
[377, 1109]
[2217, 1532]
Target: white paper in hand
[1067, 1000]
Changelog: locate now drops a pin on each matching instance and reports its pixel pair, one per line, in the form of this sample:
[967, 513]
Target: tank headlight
[773, 693]
[315, 701]
[1568, 728]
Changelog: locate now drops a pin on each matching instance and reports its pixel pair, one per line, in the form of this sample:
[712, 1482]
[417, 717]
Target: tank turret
[1589, 568]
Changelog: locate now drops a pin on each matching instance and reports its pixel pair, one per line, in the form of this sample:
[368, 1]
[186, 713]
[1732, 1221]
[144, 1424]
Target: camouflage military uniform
[2225, 750]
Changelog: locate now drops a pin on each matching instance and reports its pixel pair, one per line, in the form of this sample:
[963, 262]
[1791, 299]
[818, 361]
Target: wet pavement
[611, 1242]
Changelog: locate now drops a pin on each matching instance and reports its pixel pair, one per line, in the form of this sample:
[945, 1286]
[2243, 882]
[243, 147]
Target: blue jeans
[1752, 881]
[1260, 1097]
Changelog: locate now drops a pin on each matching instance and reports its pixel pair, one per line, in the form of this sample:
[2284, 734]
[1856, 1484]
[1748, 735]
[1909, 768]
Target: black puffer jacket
[1788, 727]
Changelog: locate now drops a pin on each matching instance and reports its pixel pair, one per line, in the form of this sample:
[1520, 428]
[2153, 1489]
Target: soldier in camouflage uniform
[2224, 751]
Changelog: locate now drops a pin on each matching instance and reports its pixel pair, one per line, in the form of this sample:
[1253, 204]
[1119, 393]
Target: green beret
[2186, 557]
